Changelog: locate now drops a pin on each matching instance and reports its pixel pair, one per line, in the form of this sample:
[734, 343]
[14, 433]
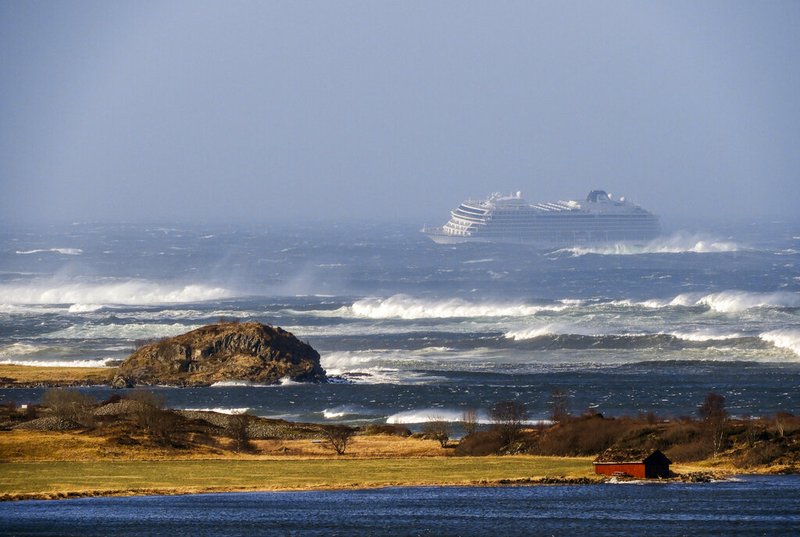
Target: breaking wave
[734, 301]
[675, 244]
[540, 331]
[133, 331]
[58, 363]
[431, 414]
[426, 415]
[20, 349]
[220, 410]
[785, 339]
[345, 410]
[129, 292]
[62, 251]
[407, 307]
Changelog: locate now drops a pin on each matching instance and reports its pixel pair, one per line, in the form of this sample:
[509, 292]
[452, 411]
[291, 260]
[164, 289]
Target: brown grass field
[61, 376]
[60, 465]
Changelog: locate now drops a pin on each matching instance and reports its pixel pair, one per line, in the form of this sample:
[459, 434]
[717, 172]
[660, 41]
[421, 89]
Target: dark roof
[613, 455]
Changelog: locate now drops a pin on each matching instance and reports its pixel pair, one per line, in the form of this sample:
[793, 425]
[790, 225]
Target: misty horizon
[254, 113]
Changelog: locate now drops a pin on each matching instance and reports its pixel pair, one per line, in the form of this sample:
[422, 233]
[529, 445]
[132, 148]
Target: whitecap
[85, 308]
[785, 339]
[103, 362]
[62, 251]
[677, 243]
[219, 410]
[130, 292]
[407, 307]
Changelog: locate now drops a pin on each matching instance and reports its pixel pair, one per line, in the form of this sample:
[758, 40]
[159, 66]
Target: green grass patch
[55, 479]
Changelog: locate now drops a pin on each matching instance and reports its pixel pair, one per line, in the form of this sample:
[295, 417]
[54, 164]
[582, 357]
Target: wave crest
[62, 251]
[409, 308]
[734, 301]
[785, 339]
[128, 292]
[677, 243]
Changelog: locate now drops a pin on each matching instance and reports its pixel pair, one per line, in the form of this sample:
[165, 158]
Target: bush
[338, 437]
[160, 424]
[587, 435]
[437, 429]
[237, 429]
[696, 450]
[761, 454]
[508, 418]
[394, 429]
[480, 443]
[70, 405]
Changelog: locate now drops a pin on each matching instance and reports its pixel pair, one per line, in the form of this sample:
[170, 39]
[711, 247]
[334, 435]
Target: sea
[750, 505]
[409, 331]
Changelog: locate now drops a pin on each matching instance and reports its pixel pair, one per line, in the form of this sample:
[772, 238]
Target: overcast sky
[265, 111]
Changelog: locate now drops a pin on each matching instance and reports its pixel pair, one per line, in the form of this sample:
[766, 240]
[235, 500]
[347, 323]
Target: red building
[633, 463]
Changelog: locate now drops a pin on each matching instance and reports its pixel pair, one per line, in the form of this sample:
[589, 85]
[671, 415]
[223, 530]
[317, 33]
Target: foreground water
[414, 329]
[747, 506]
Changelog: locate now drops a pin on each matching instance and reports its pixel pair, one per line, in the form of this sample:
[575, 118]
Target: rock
[250, 352]
[120, 381]
[49, 423]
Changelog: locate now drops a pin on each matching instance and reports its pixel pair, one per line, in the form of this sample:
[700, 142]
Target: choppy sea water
[748, 506]
[412, 329]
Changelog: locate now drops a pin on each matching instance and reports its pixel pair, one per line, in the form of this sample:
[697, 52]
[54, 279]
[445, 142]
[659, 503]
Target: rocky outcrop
[251, 352]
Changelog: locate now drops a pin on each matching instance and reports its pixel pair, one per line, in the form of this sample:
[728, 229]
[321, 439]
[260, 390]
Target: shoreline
[695, 477]
[100, 493]
[35, 376]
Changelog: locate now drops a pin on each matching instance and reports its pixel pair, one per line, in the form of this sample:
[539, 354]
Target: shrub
[160, 424]
[469, 421]
[394, 429]
[338, 437]
[70, 405]
[696, 450]
[761, 454]
[508, 418]
[437, 429]
[588, 435]
[238, 431]
[480, 443]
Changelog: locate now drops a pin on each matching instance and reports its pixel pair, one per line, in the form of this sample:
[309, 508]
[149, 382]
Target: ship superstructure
[599, 219]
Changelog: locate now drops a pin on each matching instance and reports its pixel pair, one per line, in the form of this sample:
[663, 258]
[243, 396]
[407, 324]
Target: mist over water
[410, 329]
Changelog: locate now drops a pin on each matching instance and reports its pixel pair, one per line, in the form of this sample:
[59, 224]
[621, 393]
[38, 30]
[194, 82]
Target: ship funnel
[519, 194]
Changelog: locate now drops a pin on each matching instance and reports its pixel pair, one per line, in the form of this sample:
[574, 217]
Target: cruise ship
[600, 219]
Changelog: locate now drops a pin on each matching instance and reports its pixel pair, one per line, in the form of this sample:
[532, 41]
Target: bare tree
[70, 405]
[437, 429]
[238, 431]
[509, 417]
[338, 437]
[559, 409]
[149, 413]
[469, 421]
[714, 415]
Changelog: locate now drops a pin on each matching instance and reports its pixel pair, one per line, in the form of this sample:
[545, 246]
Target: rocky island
[231, 351]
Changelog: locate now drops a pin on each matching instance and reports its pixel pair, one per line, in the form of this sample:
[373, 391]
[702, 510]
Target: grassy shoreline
[23, 376]
[73, 446]
[61, 479]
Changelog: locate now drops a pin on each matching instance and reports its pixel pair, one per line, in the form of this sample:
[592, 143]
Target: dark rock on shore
[250, 352]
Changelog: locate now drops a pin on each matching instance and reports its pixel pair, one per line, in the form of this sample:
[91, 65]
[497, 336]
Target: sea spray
[131, 292]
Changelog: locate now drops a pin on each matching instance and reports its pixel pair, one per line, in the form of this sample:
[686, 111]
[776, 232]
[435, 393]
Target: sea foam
[675, 244]
[62, 251]
[733, 301]
[129, 292]
[785, 339]
[57, 363]
[407, 307]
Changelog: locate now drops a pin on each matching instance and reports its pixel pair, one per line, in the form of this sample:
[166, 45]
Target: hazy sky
[263, 111]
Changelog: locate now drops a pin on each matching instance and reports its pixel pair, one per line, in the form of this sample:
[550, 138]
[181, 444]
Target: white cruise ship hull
[598, 221]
